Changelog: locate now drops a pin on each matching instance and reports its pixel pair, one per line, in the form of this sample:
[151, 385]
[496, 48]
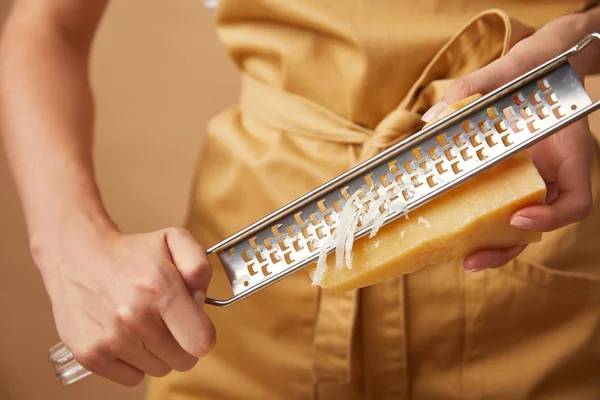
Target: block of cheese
[473, 216]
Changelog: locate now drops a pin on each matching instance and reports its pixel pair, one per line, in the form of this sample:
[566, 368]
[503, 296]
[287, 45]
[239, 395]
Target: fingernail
[475, 269]
[522, 222]
[199, 298]
[434, 111]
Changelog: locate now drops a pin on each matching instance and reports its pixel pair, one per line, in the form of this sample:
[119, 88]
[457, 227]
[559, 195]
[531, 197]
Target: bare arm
[47, 112]
[121, 303]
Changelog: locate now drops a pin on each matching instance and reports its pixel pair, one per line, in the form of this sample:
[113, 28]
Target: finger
[160, 342]
[138, 356]
[188, 323]
[115, 370]
[573, 202]
[190, 260]
[485, 259]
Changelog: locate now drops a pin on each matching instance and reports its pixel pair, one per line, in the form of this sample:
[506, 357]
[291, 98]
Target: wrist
[65, 229]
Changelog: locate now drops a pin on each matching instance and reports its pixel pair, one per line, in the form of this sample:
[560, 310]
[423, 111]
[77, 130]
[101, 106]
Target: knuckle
[89, 357]
[583, 208]
[462, 88]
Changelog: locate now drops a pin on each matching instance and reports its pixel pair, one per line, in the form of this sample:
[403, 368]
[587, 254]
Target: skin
[123, 304]
[132, 296]
[564, 159]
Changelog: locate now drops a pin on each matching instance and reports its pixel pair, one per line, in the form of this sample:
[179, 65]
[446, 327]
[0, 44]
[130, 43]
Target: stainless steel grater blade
[429, 163]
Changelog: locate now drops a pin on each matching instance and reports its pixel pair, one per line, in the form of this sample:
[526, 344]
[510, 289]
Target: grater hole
[490, 141]
[425, 167]
[408, 166]
[265, 271]
[385, 180]
[532, 126]
[259, 257]
[253, 243]
[544, 85]
[456, 168]
[393, 167]
[298, 218]
[506, 140]
[305, 233]
[433, 153]
[288, 258]
[291, 232]
[574, 107]
[336, 206]
[268, 244]
[369, 179]
[298, 246]
[232, 251]
[322, 206]
[442, 140]
[275, 258]
[551, 99]
[400, 178]
[516, 126]
[329, 219]
[475, 141]
[276, 232]
[417, 153]
[541, 112]
[320, 233]
[440, 168]
[449, 154]
[246, 283]
[484, 127]
[525, 113]
[535, 99]
[558, 112]
[518, 99]
[415, 181]
[245, 255]
[492, 112]
[458, 140]
[431, 182]
[481, 154]
[251, 270]
[283, 244]
[345, 193]
[313, 218]
[313, 245]
[465, 154]
[500, 126]
[468, 126]
[407, 196]
[509, 112]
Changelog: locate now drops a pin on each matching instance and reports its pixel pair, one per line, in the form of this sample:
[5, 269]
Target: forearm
[46, 120]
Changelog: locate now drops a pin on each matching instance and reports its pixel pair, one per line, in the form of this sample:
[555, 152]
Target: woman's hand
[129, 305]
[563, 159]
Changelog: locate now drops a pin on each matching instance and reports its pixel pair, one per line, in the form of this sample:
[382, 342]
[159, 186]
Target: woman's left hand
[563, 159]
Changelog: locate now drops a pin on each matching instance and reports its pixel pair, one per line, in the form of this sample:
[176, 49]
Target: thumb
[191, 262]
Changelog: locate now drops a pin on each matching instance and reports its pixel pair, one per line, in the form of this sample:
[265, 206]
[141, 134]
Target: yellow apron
[326, 84]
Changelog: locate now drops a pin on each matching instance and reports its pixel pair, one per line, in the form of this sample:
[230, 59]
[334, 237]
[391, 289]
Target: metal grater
[431, 162]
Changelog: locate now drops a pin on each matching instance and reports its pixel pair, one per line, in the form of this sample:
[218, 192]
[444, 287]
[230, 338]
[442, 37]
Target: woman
[326, 85]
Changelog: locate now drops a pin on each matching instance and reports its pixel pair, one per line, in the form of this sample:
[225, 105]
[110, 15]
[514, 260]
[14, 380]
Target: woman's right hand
[129, 305]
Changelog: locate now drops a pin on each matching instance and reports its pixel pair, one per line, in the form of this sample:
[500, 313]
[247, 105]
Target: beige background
[159, 74]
